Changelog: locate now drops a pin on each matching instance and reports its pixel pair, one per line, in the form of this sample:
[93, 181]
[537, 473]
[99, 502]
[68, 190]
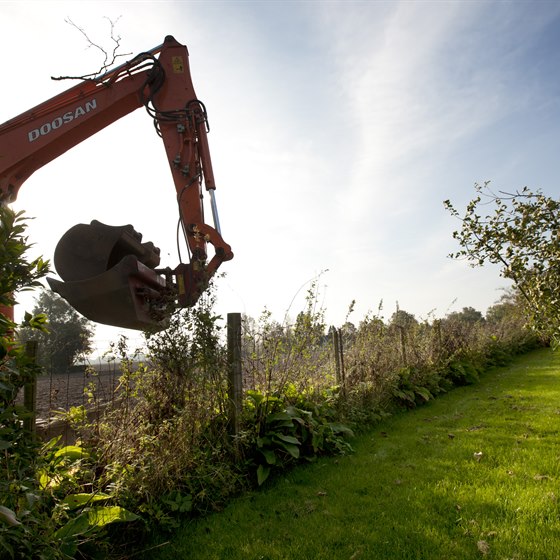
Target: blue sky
[337, 130]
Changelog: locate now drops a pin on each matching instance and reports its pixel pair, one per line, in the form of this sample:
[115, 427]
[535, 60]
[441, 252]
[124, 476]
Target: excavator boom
[107, 273]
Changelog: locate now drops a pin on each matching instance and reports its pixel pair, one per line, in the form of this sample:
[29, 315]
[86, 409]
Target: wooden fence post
[341, 354]
[338, 357]
[336, 354]
[30, 392]
[439, 340]
[235, 374]
[403, 345]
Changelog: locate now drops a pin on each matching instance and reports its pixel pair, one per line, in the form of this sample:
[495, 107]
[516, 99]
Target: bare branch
[109, 58]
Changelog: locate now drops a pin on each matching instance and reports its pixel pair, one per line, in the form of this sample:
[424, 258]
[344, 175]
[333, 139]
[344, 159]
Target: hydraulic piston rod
[215, 211]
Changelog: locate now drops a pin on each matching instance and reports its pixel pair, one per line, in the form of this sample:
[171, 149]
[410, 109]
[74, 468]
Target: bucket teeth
[108, 276]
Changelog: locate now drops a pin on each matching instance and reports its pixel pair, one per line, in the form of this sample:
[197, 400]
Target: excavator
[108, 273]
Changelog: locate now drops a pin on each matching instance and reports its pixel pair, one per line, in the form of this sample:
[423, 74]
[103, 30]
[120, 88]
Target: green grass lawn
[473, 474]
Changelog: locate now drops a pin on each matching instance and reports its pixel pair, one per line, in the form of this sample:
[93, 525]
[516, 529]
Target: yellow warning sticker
[178, 64]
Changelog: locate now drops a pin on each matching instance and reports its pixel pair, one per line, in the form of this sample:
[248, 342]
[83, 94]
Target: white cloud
[431, 75]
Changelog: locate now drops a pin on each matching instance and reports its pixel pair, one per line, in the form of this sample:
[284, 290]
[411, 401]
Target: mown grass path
[473, 474]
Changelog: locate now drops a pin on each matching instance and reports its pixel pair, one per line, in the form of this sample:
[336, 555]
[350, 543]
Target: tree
[402, 318]
[26, 525]
[511, 303]
[522, 237]
[69, 334]
[468, 315]
[17, 273]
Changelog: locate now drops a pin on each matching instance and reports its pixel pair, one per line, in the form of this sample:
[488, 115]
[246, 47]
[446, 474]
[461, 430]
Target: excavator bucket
[108, 276]
[87, 250]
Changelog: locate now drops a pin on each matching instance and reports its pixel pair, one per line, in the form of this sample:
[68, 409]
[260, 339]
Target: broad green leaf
[278, 416]
[48, 481]
[101, 516]
[262, 441]
[279, 424]
[288, 439]
[72, 452]
[341, 429]
[424, 393]
[262, 474]
[269, 455]
[292, 449]
[69, 547]
[405, 395]
[76, 526]
[78, 500]
[8, 516]
[52, 443]
[255, 396]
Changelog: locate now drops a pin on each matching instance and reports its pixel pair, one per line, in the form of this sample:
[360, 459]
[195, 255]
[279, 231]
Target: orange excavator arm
[108, 274]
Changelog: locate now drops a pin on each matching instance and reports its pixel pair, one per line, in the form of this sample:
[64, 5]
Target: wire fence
[92, 384]
[375, 362]
[58, 393]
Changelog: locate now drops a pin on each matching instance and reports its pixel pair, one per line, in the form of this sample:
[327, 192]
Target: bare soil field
[58, 392]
